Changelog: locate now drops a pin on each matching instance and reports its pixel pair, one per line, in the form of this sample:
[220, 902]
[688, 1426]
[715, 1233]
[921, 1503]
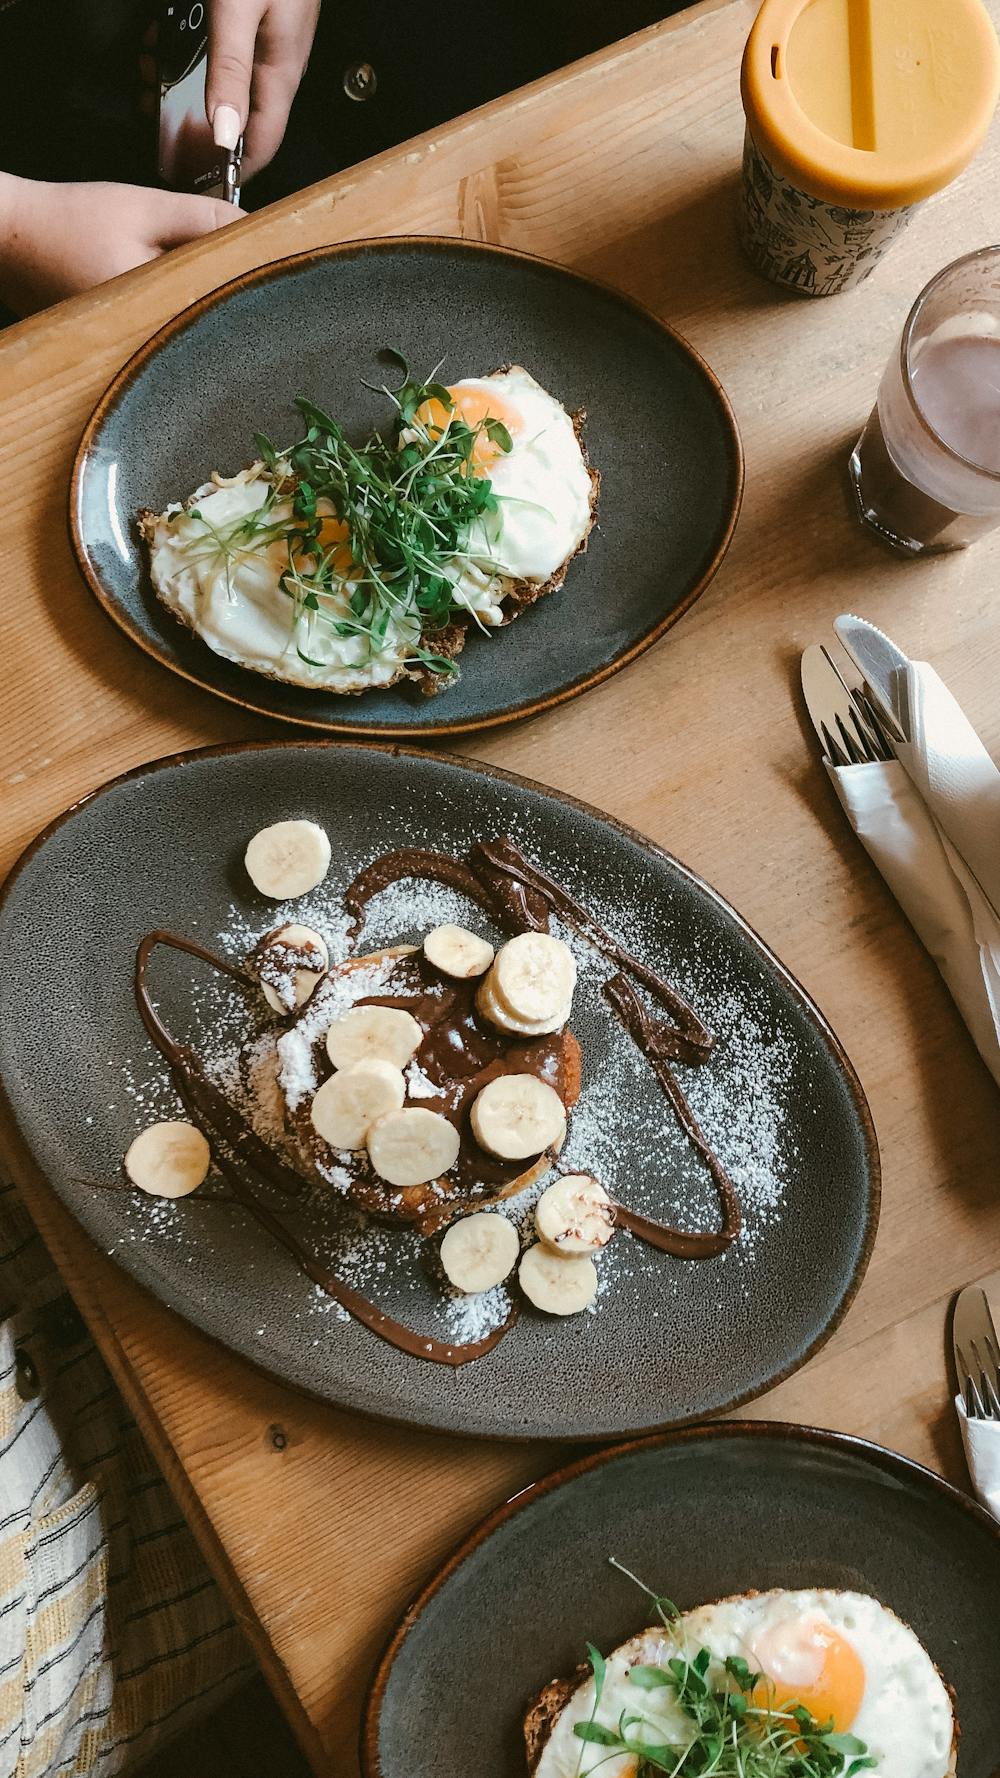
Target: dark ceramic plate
[699, 1515]
[672, 1340]
[660, 430]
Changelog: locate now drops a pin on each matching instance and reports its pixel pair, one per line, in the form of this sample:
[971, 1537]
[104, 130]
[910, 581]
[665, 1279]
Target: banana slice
[517, 1115]
[168, 1160]
[533, 977]
[479, 1251]
[559, 1286]
[373, 1033]
[345, 1106]
[297, 983]
[491, 1009]
[287, 859]
[575, 1215]
[413, 1146]
[458, 952]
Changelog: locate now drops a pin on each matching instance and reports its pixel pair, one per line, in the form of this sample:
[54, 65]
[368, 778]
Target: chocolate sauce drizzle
[236, 1145]
[656, 1040]
[393, 867]
[521, 897]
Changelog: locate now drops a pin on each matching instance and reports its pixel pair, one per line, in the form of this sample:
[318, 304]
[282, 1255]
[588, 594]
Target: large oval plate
[671, 1340]
[699, 1515]
[660, 429]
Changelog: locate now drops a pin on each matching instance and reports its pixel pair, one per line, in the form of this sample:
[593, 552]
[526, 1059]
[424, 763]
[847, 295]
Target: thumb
[232, 37]
[187, 215]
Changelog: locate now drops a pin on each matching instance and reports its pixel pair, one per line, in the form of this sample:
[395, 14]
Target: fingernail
[225, 126]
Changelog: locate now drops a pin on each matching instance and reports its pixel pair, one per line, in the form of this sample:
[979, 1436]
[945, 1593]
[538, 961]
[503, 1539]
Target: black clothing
[69, 80]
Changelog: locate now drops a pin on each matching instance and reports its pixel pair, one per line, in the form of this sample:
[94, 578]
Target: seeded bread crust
[544, 1711]
[448, 642]
[547, 1706]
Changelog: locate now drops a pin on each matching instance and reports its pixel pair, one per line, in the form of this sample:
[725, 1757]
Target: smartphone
[188, 159]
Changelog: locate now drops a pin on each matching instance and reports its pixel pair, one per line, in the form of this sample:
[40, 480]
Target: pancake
[459, 1053]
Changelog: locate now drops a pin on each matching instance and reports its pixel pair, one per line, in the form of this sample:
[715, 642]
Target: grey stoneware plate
[659, 428]
[669, 1340]
[699, 1515]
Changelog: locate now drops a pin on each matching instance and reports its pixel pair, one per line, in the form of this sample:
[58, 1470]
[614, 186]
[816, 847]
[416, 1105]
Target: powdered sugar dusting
[622, 1129]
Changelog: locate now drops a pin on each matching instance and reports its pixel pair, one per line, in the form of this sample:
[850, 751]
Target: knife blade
[883, 667]
[977, 1353]
[847, 738]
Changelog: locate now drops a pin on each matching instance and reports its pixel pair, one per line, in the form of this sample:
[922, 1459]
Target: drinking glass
[926, 469]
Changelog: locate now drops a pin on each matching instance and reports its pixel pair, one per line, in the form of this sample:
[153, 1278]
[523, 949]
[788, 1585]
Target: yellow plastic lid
[871, 104]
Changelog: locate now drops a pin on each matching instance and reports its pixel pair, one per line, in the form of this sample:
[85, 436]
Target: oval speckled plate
[670, 1340]
[659, 428]
[699, 1515]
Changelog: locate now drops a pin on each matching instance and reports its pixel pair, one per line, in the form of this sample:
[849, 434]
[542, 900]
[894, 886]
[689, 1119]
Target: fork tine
[874, 721]
[834, 752]
[868, 744]
[853, 752]
[987, 1389]
[973, 1400]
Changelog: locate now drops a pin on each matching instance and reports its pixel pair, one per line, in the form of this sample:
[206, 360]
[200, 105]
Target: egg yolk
[808, 1662]
[334, 536]
[474, 406]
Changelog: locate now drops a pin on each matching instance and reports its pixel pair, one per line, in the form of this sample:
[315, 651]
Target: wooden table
[625, 166]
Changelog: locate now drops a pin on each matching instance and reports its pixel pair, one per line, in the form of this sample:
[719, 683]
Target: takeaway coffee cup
[856, 110]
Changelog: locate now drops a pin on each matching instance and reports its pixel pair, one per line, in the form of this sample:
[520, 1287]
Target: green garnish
[737, 1729]
[412, 509]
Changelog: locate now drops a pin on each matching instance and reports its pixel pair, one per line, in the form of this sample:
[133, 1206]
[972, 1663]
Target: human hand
[56, 240]
[257, 55]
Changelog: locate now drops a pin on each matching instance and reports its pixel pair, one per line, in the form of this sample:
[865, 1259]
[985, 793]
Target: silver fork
[861, 738]
[977, 1354]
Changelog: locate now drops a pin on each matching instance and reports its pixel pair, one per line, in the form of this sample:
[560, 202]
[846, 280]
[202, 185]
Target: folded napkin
[931, 822]
[981, 1439]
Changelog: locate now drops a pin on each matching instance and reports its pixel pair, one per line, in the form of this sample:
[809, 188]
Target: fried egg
[218, 562]
[843, 1656]
[543, 486]
[232, 597]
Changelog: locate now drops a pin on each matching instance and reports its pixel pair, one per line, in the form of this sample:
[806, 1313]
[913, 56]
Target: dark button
[360, 81]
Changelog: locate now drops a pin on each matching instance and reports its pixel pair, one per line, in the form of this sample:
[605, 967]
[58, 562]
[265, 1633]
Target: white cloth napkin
[930, 820]
[981, 1439]
[931, 823]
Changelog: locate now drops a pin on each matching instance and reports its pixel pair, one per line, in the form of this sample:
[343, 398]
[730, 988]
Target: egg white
[905, 1718]
[239, 609]
[543, 490]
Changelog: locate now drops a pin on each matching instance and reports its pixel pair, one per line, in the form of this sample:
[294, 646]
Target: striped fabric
[113, 1635]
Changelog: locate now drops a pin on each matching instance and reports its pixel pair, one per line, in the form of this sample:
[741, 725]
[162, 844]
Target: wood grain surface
[320, 1525]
